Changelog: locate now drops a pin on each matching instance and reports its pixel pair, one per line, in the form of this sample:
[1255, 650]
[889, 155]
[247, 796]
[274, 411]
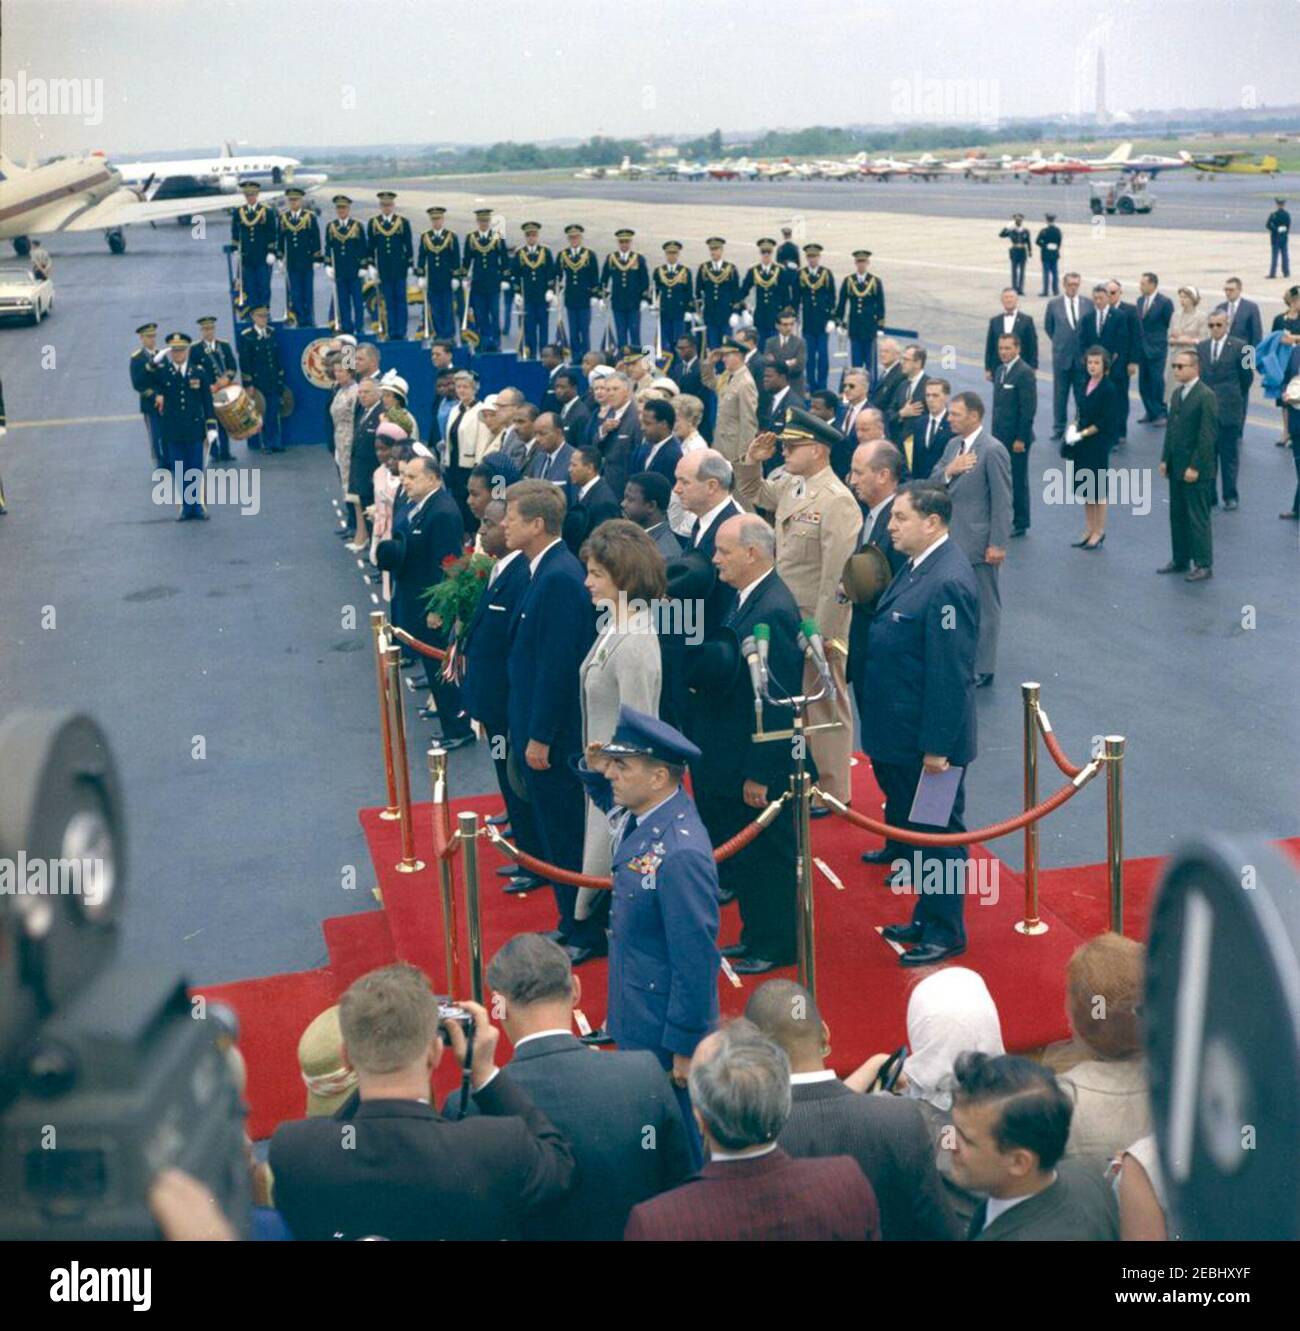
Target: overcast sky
[268, 72]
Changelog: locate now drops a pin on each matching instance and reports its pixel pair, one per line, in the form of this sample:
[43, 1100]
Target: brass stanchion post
[1115, 828]
[801, 788]
[390, 813]
[397, 724]
[447, 899]
[1031, 924]
[467, 830]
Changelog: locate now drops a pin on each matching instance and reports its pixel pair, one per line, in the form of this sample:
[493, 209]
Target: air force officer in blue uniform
[920, 670]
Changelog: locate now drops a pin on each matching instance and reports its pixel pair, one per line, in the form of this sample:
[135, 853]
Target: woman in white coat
[467, 440]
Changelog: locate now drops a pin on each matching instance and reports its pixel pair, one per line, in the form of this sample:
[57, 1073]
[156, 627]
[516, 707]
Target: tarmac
[229, 661]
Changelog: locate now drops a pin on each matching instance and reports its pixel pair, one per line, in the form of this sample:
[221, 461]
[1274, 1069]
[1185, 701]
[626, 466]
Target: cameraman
[387, 1165]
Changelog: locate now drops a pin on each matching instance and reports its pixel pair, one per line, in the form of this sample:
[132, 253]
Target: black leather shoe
[519, 884]
[1229, 505]
[554, 936]
[499, 820]
[983, 681]
[733, 950]
[1171, 567]
[819, 811]
[929, 954]
[599, 1036]
[1019, 531]
[748, 965]
[885, 855]
[902, 933]
[1199, 575]
[457, 741]
[578, 956]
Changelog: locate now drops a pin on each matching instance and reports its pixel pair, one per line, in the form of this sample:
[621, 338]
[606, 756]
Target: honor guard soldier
[183, 395]
[260, 368]
[346, 252]
[533, 269]
[143, 371]
[1048, 241]
[388, 237]
[626, 279]
[437, 261]
[300, 252]
[1018, 236]
[817, 311]
[1279, 231]
[218, 359]
[253, 232]
[717, 291]
[486, 273]
[578, 268]
[672, 283]
[787, 254]
[861, 310]
[770, 283]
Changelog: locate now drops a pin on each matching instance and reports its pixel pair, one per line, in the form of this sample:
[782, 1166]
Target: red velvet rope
[444, 844]
[1058, 755]
[416, 645]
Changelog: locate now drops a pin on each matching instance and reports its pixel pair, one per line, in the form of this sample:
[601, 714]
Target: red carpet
[862, 990]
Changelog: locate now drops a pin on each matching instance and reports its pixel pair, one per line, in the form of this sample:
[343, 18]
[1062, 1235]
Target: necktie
[929, 435]
[1214, 355]
[628, 828]
[545, 472]
[695, 534]
[1074, 315]
[1101, 322]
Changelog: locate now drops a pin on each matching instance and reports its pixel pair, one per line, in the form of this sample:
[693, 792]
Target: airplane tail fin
[227, 148]
[1184, 155]
[1122, 153]
[1269, 164]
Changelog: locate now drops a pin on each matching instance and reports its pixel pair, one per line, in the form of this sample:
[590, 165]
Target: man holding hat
[817, 307]
[388, 236]
[817, 526]
[300, 252]
[663, 922]
[626, 278]
[346, 249]
[770, 284]
[486, 261]
[581, 275]
[1048, 241]
[533, 272]
[260, 368]
[1279, 233]
[253, 233]
[437, 261]
[861, 308]
[143, 371]
[183, 394]
[717, 289]
[1017, 235]
[218, 358]
[673, 288]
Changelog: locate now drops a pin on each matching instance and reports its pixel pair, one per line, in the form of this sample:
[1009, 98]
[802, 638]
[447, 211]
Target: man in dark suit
[607, 1105]
[685, 369]
[1012, 320]
[750, 1188]
[1224, 369]
[775, 396]
[920, 675]
[426, 533]
[704, 483]
[789, 348]
[593, 500]
[854, 391]
[1154, 311]
[889, 373]
[659, 450]
[412, 1174]
[885, 1134]
[930, 432]
[1015, 399]
[551, 631]
[645, 502]
[1062, 324]
[572, 412]
[1013, 1121]
[552, 359]
[1243, 315]
[827, 408]
[1118, 322]
[617, 432]
[905, 405]
[551, 455]
[1188, 464]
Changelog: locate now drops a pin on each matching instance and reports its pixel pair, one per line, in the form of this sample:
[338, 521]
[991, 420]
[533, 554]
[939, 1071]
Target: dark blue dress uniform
[259, 365]
[486, 268]
[717, 289]
[626, 279]
[1048, 241]
[674, 291]
[300, 249]
[391, 251]
[532, 271]
[185, 393]
[770, 283]
[142, 381]
[253, 231]
[663, 921]
[346, 252]
[580, 271]
[1018, 236]
[437, 260]
[861, 309]
[218, 358]
[1279, 234]
[817, 309]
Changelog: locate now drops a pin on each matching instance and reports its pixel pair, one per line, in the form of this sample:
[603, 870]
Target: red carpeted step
[357, 944]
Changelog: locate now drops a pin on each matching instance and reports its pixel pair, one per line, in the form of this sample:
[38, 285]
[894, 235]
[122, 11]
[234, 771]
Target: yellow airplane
[1232, 163]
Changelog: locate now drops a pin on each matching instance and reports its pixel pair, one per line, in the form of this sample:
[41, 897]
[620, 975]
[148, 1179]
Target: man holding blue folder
[920, 730]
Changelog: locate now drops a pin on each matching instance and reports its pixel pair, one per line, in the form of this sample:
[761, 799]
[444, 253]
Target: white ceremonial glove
[329, 271]
[423, 281]
[316, 263]
[830, 325]
[550, 297]
[519, 302]
[505, 286]
[455, 283]
[160, 356]
[645, 304]
[4, 430]
[279, 265]
[600, 304]
[734, 321]
[270, 259]
[595, 301]
[1072, 435]
[212, 435]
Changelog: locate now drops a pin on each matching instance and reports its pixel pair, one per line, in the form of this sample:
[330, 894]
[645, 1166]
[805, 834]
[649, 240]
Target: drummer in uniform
[532, 270]
[260, 368]
[673, 288]
[300, 252]
[770, 283]
[345, 256]
[183, 398]
[218, 358]
[253, 232]
[437, 261]
[388, 237]
[579, 269]
[861, 309]
[626, 278]
[486, 263]
[143, 370]
[663, 921]
[717, 288]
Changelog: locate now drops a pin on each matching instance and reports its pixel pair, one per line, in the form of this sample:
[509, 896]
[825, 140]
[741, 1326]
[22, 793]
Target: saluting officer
[771, 285]
[437, 260]
[486, 264]
[182, 399]
[260, 368]
[1048, 241]
[253, 232]
[300, 251]
[346, 251]
[1018, 236]
[817, 313]
[581, 274]
[218, 359]
[717, 289]
[143, 371]
[672, 283]
[533, 269]
[663, 921]
[388, 237]
[626, 279]
[861, 309]
[1279, 232]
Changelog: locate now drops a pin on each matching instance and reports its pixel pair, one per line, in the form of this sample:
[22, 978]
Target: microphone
[763, 640]
[749, 650]
[810, 641]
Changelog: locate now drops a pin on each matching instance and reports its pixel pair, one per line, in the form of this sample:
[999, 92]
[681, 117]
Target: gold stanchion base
[391, 815]
[1030, 927]
[414, 867]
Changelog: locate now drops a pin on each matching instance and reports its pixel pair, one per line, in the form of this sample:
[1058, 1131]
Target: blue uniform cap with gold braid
[638, 735]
